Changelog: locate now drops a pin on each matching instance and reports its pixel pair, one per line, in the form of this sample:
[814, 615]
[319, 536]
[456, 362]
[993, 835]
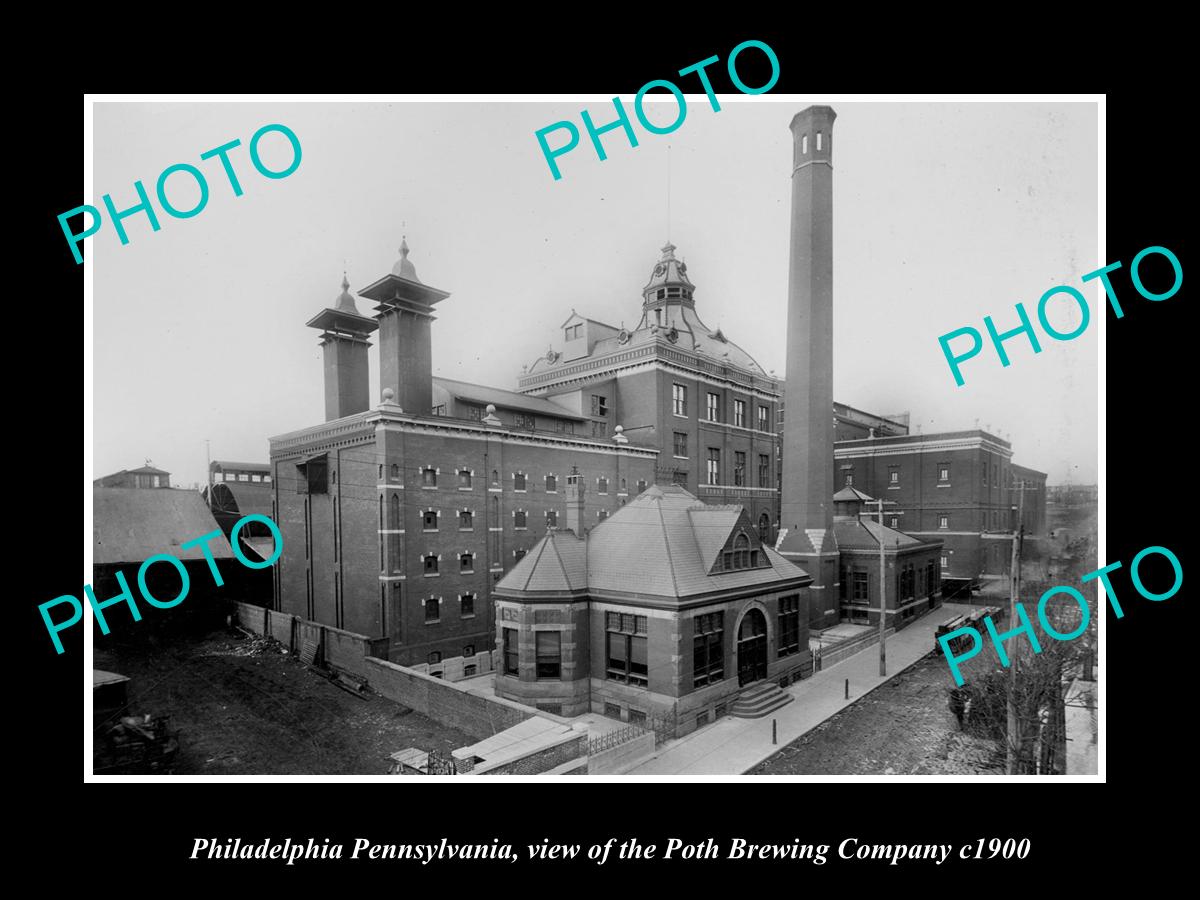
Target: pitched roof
[662, 544]
[504, 399]
[131, 525]
[247, 466]
[854, 533]
[557, 563]
[850, 494]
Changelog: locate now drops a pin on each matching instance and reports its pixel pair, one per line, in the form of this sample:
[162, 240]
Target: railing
[615, 738]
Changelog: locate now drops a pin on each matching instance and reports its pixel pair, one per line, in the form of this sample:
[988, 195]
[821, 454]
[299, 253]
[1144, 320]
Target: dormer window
[574, 332]
[673, 292]
[662, 292]
[741, 556]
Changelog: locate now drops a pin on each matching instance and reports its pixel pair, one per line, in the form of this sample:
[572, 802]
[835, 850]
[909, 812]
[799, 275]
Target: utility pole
[1014, 736]
[208, 470]
[882, 588]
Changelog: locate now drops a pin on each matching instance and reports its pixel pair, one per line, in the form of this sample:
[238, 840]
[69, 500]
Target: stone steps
[759, 700]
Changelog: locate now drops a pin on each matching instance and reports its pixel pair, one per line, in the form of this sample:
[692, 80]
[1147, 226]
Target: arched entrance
[752, 647]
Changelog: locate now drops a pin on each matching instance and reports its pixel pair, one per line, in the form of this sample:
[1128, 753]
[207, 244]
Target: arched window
[395, 472]
[741, 551]
[394, 512]
[804, 144]
[764, 528]
[495, 478]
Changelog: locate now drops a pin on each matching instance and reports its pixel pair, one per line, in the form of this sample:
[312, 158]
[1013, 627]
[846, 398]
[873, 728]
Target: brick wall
[444, 702]
[343, 649]
[574, 747]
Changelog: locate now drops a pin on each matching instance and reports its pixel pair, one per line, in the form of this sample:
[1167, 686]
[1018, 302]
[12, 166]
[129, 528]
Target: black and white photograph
[452, 438]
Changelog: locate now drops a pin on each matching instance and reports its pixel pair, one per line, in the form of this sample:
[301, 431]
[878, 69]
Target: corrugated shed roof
[504, 399]
[131, 525]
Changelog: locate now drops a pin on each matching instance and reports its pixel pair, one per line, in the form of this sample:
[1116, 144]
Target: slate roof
[129, 525]
[662, 544]
[850, 494]
[854, 533]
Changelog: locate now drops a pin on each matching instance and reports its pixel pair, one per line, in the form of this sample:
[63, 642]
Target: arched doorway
[752, 647]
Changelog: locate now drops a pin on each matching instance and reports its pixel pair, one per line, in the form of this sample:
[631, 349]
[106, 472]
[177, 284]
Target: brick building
[676, 385]
[957, 487]
[397, 521]
[666, 611]
[912, 565]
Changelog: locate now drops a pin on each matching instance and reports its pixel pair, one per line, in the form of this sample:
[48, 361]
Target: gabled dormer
[581, 334]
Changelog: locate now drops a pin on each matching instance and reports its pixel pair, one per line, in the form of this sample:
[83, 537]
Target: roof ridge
[562, 567]
[533, 568]
[667, 543]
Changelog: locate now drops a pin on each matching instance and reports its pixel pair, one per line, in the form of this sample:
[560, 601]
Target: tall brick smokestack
[806, 521]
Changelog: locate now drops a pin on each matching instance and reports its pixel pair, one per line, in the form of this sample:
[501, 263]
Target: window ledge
[431, 574]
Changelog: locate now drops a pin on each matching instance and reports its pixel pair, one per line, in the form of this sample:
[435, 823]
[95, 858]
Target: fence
[615, 738]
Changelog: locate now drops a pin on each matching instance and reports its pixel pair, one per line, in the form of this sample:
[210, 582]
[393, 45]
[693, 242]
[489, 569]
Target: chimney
[404, 312]
[574, 495]
[807, 478]
[344, 341]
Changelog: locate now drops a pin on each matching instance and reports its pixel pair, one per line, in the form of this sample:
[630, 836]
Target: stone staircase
[760, 699]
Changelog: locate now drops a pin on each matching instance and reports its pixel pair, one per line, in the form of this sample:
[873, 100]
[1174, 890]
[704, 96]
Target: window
[679, 478]
[849, 479]
[943, 521]
[714, 407]
[395, 470]
[945, 562]
[440, 409]
[681, 444]
[466, 520]
[551, 518]
[551, 484]
[641, 485]
[636, 717]
[626, 648]
[804, 145]
[475, 412]
[433, 610]
[602, 514]
[523, 420]
[764, 418]
[495, 478]
[431, 564]
[708, 655]
[253, 478]
[943, 472]
[429, 521]
[242, 476]
[764, 470]
[519, 481]
[573, 332]
[985, 474]
[612, 710]
[741, 556]
[429, 477]
[679, 399]
[739, 413]
[466, 562]
[818, 140]
[599, 429]
[895, 521]
[601, 485]
[862, 589]
[393, 520]
[518, 554]
[519, 519]
[549, 653]
[714, 465]
[435, 657]
[466, 610]
[218, 476]
[511, 657]
[739, 468]
[789, 625]
[464, 479]
[599, 405]
[893, 474]
[267, 479]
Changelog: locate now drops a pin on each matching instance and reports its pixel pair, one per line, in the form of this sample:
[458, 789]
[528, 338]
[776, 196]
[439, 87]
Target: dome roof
[668, 271]
[345, 300]
[403, 268]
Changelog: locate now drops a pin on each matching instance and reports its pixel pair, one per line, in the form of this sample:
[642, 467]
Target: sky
[943, 213]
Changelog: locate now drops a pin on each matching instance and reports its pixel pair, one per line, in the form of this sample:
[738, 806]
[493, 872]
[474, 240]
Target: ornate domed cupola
[669, 286]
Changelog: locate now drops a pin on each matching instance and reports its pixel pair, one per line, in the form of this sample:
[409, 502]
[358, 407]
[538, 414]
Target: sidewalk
[730, 746]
